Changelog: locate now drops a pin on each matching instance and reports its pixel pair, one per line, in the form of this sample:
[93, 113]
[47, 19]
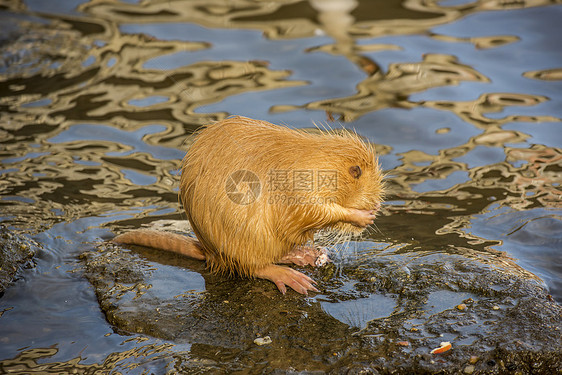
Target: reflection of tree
[479, 42]
[474, 111]
[534, 183]
[285, 19]
[346, 22]
[28, 360]
[538, 181]
[393, 88]
[547, 74]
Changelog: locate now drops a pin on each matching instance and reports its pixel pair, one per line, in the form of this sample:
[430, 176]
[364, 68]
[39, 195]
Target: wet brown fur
[241, 239]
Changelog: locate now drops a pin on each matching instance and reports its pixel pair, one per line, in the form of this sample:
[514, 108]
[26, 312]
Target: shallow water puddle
[358, 312]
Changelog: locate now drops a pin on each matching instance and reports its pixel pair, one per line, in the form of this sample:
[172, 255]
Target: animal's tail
[167, 241]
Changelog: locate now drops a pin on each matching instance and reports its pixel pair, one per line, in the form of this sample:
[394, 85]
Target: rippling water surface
[97, 99]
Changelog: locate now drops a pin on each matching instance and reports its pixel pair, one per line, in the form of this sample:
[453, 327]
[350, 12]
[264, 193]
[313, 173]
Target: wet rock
[368, 307]
[16, 252]
[262, 340]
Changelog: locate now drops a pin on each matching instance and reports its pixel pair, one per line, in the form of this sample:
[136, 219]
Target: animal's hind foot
[285, 276]
[314, 256]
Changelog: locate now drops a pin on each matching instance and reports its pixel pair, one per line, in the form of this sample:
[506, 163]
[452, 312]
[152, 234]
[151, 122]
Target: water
[97, 99]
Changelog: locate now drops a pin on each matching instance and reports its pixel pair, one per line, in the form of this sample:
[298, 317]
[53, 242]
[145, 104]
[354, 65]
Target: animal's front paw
[285, 276]
[362, 218]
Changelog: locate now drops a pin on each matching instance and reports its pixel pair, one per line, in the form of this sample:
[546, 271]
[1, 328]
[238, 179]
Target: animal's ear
[355, 171]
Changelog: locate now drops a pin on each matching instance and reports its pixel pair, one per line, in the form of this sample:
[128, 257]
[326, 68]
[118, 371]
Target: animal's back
[231, 220]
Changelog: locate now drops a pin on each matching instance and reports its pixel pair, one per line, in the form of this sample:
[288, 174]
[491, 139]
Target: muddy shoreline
[508, 322]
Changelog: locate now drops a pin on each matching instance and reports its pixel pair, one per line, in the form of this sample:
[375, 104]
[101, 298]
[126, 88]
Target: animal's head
[360, 179]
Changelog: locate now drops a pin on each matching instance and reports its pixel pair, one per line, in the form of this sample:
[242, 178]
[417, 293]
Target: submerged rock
[371, 302]
[15, 252]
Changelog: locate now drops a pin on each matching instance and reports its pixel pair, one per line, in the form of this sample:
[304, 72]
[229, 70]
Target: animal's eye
[355, 171]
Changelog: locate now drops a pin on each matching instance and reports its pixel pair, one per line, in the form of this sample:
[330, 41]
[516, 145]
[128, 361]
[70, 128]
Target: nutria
[255, 193]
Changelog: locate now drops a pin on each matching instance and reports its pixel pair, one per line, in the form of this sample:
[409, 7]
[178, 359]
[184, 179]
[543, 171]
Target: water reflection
[547, 75]
[33, 361]
[393, 88]
[97, 104]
